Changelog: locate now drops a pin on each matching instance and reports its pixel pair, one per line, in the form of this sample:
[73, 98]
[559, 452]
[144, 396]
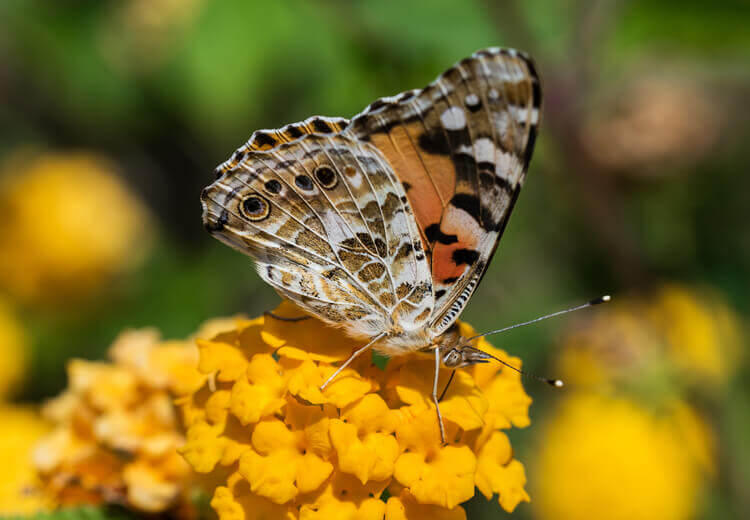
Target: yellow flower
[445, 479]
[363, 441]
[464, 403]
[344, 497]
[287, 449]
[19, 488]
[702, 332]
[237, 502]
[608, 457]
[259, 392]
[675, 335]
[405, 507]
[117, 430]
[282, 463]
[75, 225]
[508, 405]
[498, 472]
[610, 345]
[13, 350]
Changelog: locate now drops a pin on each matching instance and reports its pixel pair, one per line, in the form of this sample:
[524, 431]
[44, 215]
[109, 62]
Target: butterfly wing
[268, 139]
[461, 147]
[329, 227]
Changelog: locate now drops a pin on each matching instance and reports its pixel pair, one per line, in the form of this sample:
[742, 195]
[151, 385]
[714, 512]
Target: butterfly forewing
[461, 147]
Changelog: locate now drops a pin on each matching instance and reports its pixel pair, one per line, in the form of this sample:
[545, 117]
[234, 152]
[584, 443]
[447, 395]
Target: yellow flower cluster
[638, 462]
[116, 429]
[628, 424]
[74, 226]
[368, 446]
[676, 334]
[19, 488]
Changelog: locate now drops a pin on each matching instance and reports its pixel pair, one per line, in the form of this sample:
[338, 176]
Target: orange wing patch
[428, 178]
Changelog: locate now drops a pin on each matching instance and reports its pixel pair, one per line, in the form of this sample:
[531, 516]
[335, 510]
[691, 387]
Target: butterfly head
[460, 356]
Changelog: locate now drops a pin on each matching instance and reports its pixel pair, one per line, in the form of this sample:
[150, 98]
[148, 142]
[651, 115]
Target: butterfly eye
[452, 358]
[255, 208]
[326, 177]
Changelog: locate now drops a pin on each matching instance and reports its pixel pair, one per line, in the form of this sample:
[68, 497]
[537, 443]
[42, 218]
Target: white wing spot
[523, 115]
[484, 150]
[453, 118]
[472, 100]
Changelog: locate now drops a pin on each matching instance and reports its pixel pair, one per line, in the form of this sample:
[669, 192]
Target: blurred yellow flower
[608, 457]
[70, 226]
[19, 487]
[702, 333]
[645, 453]
[116, 428]
[676, 335]
[13, 349]
[294, 451]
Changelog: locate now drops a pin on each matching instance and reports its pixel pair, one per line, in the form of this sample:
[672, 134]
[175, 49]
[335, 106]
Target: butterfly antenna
[557, 383]
[596, 301]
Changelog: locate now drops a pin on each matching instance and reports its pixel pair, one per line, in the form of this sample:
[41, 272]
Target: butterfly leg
[435, 395]
[447, 385]
[283, 318]
[352, 358]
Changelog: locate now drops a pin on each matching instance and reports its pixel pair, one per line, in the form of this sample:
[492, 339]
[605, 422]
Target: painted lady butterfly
[385, 224]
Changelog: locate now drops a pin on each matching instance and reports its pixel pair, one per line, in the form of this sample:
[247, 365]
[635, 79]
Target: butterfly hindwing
[461, 147]
[330, 228]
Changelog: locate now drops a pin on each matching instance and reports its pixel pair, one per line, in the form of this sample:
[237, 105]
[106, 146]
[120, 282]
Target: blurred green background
[639, 178]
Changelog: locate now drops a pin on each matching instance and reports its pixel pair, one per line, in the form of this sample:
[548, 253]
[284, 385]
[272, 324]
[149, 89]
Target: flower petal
[463, 404]
[445, 479]
[204, 447]
[251, 402]
[508, 402]
[237, 502]
[406, 508]
[345, 498]
[498, 473]
[228, 360]
[271, 476]
[371, 457]
[309, 339]
[278, 469]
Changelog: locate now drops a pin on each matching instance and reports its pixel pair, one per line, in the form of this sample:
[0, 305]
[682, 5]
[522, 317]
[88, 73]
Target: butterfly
[383, 225]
